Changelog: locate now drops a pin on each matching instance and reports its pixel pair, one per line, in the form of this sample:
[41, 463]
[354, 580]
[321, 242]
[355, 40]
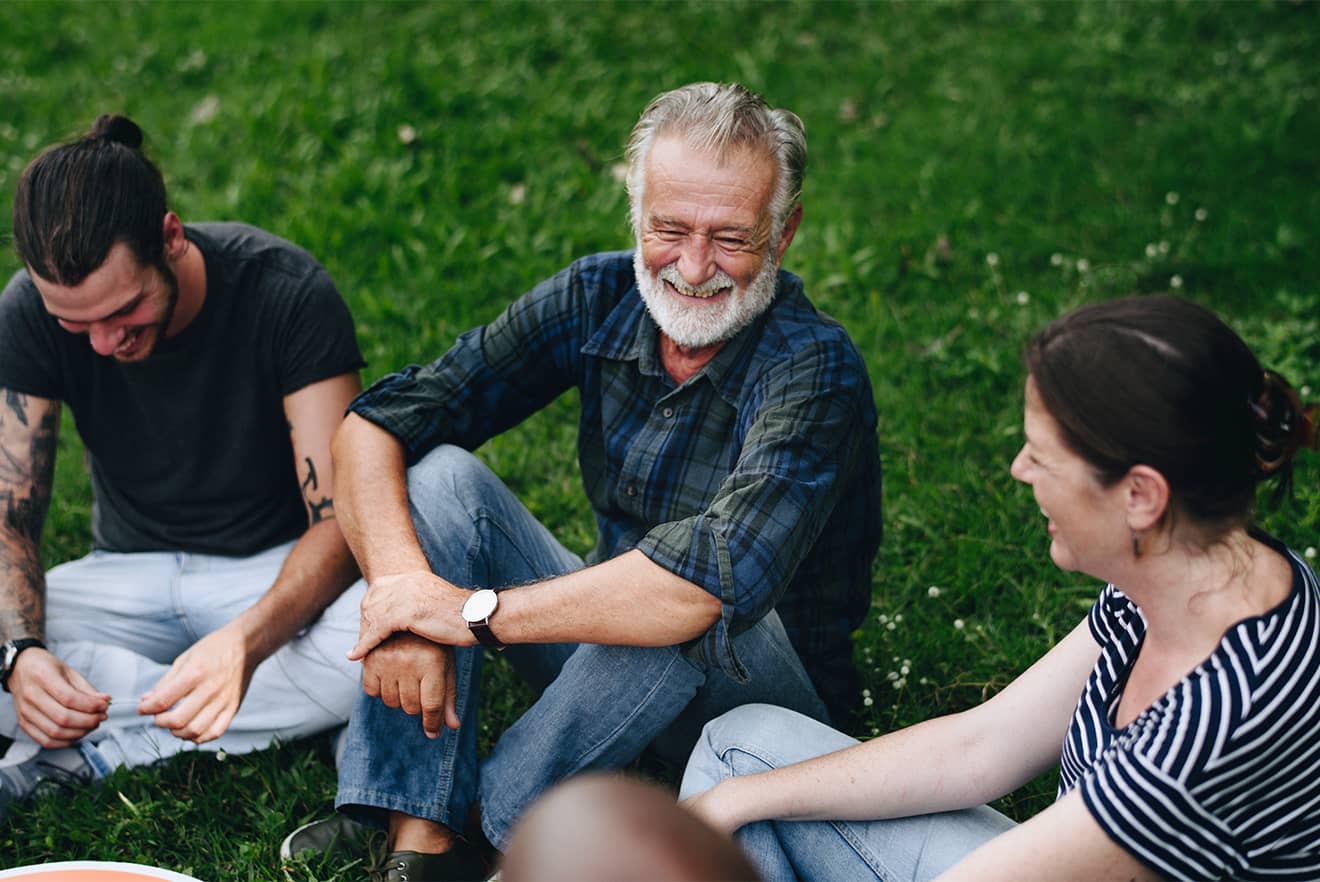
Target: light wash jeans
[600, 706]
[756, 738]
[121, 619]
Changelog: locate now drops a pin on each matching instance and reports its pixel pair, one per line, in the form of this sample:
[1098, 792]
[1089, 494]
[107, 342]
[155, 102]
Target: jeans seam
[594, 749]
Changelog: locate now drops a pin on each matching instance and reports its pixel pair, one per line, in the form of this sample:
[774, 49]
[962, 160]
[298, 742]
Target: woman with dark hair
[1194, 749]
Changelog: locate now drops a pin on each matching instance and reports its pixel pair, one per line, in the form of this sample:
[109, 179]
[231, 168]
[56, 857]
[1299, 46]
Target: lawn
[976, 169]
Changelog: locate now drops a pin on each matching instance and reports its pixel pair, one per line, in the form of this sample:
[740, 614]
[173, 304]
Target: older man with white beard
[727, 444]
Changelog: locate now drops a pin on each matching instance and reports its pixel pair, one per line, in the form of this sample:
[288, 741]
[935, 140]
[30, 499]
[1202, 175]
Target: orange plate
[92, 871]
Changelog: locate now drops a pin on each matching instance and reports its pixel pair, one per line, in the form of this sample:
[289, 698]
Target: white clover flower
[1056, 259]
[1151, 250]
[866, 693]
[1306, 391]
[900, 682]
[1201, 214]
[933, 591]
[221, 756]
[205, 110]
[883, 618]
[407, 134]
[959, 624]
[1022, 298]
[992, 259]
[1164, 247]
[891, 676]
[1171, 198]
[1083, 265]
[875, 730]
[517, 194]
[924, 682]
[1175, 281]
[905, 670]
[868, 701]
[1310, 552]
[898, 618]
[891, 626]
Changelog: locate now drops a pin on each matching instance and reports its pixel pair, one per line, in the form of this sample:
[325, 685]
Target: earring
[1136, 544]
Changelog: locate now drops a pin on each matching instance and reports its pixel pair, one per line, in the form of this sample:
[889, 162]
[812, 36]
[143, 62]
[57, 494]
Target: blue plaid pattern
[758, 479]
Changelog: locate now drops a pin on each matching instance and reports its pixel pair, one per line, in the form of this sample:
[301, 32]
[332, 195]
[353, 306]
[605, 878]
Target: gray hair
[719, 118]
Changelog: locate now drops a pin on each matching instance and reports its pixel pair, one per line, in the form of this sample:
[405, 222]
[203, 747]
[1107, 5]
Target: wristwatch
[477, 611]
[9, 655]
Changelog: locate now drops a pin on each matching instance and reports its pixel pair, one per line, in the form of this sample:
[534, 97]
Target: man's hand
[418, 601]
[416, 676]
[200, 693]
[56, 705]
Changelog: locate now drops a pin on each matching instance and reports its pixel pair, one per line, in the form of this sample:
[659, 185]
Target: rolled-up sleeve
[803, 428]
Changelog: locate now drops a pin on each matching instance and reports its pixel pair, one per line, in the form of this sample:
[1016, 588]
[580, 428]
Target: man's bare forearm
[318, 569]
[29, 428]
[371, 499]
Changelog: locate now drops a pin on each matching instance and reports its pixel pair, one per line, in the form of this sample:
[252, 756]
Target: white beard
[694, 324]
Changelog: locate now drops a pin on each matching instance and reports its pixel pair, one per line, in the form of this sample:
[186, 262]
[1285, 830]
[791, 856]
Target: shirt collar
[630, 334]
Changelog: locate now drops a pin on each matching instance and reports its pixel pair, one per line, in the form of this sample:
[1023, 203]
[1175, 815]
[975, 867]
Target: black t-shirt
[190, 448]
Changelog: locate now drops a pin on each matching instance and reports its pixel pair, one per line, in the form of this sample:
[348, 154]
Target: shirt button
[631, 490]
[668, 412]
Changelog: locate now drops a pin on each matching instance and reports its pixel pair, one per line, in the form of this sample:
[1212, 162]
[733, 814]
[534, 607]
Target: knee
[745, 723]
[445, 491]
[445, 469]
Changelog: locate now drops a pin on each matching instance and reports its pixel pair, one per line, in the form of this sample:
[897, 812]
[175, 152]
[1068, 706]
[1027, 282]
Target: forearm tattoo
[27, 465]
[321, 509]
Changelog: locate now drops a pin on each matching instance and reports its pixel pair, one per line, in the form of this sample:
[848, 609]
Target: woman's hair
[76, 200]
[1162, 382]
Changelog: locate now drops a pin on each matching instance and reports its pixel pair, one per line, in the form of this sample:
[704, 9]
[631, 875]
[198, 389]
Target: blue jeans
[756, 738]
[600, 705]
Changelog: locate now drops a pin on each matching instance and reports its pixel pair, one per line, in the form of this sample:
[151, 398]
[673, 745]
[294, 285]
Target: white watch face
[480, 605]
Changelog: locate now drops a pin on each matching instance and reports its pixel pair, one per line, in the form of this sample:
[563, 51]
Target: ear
[176, 243]
[790, 228]
[1146, 497]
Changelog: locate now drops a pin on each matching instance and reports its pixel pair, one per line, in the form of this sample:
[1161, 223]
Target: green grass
[976, 169]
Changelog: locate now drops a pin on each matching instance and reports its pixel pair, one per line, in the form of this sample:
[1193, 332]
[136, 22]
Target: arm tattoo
[26, 477]
[17, 402]
[317, 510]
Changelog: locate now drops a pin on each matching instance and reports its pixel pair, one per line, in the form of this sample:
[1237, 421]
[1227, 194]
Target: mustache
[669, 273]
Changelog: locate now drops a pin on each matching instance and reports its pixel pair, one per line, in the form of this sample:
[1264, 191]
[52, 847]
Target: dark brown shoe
[462, 863]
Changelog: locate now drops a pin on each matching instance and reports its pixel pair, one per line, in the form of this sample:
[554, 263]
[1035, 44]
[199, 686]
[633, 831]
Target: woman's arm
[947, 763]
[1062, 842]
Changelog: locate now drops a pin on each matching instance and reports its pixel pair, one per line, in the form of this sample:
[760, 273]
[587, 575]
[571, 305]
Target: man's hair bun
[120, 129]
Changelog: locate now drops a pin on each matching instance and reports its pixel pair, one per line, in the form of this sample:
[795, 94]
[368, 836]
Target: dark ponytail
[1283, 425]
[76, 200]
[119, 129]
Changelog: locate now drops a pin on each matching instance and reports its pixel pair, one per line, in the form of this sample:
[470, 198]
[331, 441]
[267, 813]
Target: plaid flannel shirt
[758, 479]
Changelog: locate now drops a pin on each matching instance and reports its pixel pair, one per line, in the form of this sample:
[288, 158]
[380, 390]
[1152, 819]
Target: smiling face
[706, 265]
[1086, 520]
[123, 306]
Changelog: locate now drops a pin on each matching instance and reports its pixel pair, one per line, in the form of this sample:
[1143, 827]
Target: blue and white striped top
[1219, 778]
